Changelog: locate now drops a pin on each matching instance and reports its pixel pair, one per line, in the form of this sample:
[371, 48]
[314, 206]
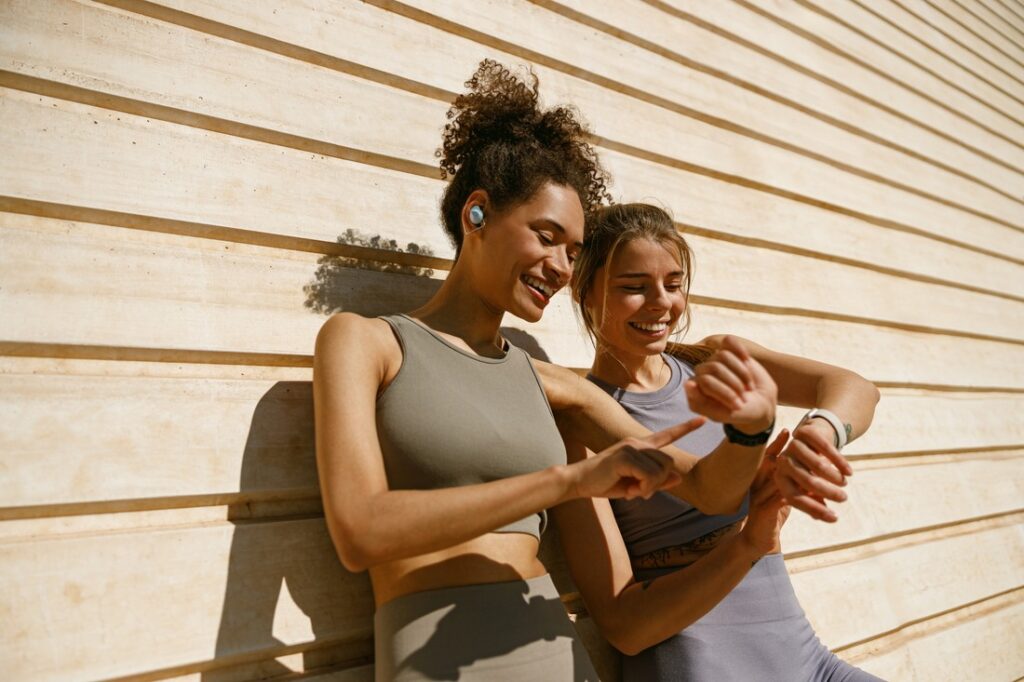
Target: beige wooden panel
[163, 75]
[875, 43]
[94, 46]
[179, 292]
[900, 496]
[181, 596]
[890, 38]
[886, 587]
[204, 275]
[571, 42]
[913, 18]
[184, 173]
[702, 45]
[261, 587]
[941, 421]
[978, 643]
[436, 63]
[974, 28]
[76, 439]
[749, 214]
[999, 17]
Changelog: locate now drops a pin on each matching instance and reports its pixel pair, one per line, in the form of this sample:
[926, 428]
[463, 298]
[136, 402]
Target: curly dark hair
[498, 139]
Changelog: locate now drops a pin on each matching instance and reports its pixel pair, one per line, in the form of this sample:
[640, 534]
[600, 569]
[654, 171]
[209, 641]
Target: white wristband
[832, 419]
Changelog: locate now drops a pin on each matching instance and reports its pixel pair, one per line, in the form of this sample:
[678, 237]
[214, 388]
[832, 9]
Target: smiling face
[638, 297]
[523, 255]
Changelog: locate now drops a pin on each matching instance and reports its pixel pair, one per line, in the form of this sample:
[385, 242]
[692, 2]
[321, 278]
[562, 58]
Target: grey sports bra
[665, 520]
[450, 418]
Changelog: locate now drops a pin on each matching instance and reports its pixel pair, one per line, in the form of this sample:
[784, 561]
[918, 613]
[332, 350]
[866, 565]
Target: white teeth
[539, 285]
[650, 326]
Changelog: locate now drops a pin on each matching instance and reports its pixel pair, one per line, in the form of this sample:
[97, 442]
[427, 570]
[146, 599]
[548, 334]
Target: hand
[811, 470]
[733, 388]
[768, 510]
[633, 467]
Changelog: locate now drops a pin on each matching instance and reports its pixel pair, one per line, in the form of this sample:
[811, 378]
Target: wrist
[753, 428]
[567, 481]
[749, 550]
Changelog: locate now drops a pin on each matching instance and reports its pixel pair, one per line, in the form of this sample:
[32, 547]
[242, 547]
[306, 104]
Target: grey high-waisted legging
[758, 632]
[500, 632]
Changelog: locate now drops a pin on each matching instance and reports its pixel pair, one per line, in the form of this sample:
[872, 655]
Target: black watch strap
[736, 436]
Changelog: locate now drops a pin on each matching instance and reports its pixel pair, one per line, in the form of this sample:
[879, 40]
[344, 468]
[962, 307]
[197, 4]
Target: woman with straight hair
[439, 444]
[671, 585]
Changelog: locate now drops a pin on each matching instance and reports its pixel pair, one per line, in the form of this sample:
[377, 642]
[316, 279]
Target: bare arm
[635, 615]
[809, 383]
[715, 484]
[370, 524]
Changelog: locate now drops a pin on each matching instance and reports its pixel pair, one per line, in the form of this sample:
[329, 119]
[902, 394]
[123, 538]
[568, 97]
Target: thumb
[672, 433]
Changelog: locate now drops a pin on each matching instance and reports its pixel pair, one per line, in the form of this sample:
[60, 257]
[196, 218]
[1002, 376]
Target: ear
[477, 197]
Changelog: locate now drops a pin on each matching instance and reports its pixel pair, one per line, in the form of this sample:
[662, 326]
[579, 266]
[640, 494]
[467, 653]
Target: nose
[559, 267]
[658, 298]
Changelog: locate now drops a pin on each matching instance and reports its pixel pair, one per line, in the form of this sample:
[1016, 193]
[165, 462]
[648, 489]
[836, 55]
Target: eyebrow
[675, 273]
[557, 226]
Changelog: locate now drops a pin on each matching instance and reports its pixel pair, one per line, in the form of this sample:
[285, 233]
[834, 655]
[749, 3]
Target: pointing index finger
[673, 433]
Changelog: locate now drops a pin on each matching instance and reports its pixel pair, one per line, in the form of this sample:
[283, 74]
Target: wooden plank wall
[189, 187]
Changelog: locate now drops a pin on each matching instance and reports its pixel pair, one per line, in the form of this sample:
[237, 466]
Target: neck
[644, 373]
[458, 310]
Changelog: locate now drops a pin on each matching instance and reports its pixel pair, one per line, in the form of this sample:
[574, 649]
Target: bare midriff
[687, 552]
[490, 558]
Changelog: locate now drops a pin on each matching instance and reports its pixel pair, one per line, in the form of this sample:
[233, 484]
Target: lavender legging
[758, 632]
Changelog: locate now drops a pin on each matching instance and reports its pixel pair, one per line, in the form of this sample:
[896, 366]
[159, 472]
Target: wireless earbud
[476, 216]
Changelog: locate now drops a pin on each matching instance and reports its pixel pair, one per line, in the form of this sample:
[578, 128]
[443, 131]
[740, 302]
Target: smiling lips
[654, 329]
[542, 291]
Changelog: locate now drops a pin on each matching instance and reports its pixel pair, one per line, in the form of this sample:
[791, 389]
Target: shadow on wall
[286, 592]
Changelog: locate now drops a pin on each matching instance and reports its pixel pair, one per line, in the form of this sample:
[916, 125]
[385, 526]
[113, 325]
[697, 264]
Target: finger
[813, 508]
[824, 445]
[659, 467]
[725, 373]
[716, 389]
[737, 366]
[774, 448]
[810, 483]
[763, 493]
[731, 343]
[814, 463]
[673, 433]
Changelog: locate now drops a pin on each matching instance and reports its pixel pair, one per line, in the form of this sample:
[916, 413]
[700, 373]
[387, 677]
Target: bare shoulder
[348, 338]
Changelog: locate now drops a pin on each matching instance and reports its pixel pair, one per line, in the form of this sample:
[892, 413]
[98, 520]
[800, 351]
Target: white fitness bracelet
[832, 419]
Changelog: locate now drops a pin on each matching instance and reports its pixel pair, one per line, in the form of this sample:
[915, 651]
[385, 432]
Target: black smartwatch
[734, 435]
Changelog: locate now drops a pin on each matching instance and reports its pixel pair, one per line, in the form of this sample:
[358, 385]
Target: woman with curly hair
[665, 581]
[438, 442]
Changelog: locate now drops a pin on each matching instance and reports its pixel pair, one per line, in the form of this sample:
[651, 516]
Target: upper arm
[587, 415]
[798, 379]
[348, 367]
[584, 413]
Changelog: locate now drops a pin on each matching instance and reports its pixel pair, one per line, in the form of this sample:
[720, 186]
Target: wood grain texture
[162, 76]
[196, 294]
[189, 189]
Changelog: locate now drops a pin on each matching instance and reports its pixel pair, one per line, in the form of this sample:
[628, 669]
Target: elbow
[355, 554]
[626, 640]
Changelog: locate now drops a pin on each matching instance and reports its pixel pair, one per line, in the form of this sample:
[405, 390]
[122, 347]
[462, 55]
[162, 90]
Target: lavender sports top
[665, 520]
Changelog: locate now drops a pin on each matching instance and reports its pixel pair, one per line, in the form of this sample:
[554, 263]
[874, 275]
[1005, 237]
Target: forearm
[718, 482]
[649, 612]
[397, 524]
[851, 398]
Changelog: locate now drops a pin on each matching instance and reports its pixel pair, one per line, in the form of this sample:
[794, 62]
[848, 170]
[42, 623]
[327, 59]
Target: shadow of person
[285, 587]
[496, 625]
[286, 593]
